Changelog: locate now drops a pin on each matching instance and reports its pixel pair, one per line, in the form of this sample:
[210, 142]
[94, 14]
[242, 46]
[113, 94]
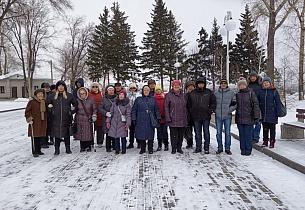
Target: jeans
[117, 143]
[162, 135]
[257, 129]
[219, 126]
[199, 124]
[245, 137]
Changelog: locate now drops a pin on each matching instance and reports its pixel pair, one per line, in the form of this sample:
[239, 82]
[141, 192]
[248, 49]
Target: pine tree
[246, 54]
[99, 49]
[162, 44]
[124, 53]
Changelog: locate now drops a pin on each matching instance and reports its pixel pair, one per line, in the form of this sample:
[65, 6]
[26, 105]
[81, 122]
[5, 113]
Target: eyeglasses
[94, 86]
[132, 88]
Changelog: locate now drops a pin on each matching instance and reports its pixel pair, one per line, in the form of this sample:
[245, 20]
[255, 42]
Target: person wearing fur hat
[271, 107]
[226, 104]
[140, 117]
[176, 115]
[96, 94]
[255, 83]
[61, 105]
[44, 141]
[85, 115]
[133, 93]
[162, 133]
[36, 117]
[188, 134]
[201, 104]
[247, 112]
[152, 84]
[120, 120]
[104, 109]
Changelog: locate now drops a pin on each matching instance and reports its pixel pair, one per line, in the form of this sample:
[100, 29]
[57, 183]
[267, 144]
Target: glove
[108, 114]
[29, 120]
[134, 122]
[108, 125]
[126, 127]
[94, 119]
[50, 106]
[159, 121]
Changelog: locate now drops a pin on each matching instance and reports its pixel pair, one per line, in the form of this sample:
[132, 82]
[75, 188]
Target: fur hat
[158, 88]
[60, 82]
[267, 79]
[176, 81]
[189, 83]
[45, 85]
[242, 82]
[124, 92]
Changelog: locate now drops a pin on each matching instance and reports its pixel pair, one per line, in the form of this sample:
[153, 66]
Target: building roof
[19, 75]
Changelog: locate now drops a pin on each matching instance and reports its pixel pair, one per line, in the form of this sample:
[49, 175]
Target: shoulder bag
[153, 120]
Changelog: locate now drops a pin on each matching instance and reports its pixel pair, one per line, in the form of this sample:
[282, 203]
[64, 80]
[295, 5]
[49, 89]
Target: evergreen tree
[99, 49]
[162, 44]
[124, 51]
[246, 54]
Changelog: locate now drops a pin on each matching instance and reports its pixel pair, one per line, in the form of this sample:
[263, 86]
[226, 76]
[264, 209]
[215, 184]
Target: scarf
[42, 103]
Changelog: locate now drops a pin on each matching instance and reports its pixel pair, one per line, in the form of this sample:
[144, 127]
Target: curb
[11, 110]
[290, 163]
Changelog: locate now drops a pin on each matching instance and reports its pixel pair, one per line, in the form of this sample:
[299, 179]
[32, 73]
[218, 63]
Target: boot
[272, 141]
[56, 150]
[68, 151]
[265, 142]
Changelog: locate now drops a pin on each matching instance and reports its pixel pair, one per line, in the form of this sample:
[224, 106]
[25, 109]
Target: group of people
[116, 113]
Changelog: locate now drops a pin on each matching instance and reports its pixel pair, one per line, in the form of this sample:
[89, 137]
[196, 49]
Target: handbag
[123, 117]
[283, 108]
[154, 122]
[72, 127]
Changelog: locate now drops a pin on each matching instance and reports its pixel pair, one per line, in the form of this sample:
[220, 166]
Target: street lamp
[229, 25]
[177, 66]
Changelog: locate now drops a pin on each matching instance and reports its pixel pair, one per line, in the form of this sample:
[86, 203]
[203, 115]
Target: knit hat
[151, 81]
[110, 87]
[253, 74]
[133, 85]
[223, 80]
[242, 82]
[176, 81]
[95, 84]
[189, 83]
[124, 92]
[267, 79]
[158, 88]
[52, 87]
[40, 90]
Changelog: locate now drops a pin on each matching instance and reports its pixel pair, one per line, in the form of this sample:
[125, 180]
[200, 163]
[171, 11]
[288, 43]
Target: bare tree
[277, 12]
[74, 52]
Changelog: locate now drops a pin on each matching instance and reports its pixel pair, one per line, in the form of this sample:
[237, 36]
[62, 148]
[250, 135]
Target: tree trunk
[161, 77]
[270, 47]
[301, 61]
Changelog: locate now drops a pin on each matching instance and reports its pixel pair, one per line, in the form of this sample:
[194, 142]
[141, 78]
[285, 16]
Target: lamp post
[229, 25]
[177, 66]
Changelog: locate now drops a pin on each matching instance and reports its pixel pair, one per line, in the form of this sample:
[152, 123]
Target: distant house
[12, 84]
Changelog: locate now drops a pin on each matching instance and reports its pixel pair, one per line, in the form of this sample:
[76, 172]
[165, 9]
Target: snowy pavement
[100, 180]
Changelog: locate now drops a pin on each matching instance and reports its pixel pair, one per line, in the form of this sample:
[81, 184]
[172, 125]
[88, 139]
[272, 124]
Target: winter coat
[247, 110]
[255, 86]
[83, 122]
[61, 113]
[105, 106]
[160, 101]
[270, 104]
[175, 109]
[226, 103]
[39, 125]
[81, 81]
[97, 98]
[132, 97]
[117, 126]
[201, 103]
[143, 129]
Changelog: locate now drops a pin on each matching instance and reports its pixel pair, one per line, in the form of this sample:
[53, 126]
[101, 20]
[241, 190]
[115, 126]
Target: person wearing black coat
[59, 107]
[188, 134]
[255, 84]
[271, 107]
[247, 112]
[201, 104]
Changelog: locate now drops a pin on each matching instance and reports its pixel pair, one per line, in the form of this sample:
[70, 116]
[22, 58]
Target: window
[2, 89]
[35, 87]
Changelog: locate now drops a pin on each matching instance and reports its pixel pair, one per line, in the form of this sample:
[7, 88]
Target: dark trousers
[245, 137]
[109, 142]
[36, 147]
[143, 145]
[58, 140]
[99, 135]
[176, 134]
[162, 135]
[44, 140]
[131, 134]
[266, 127]
[188, 135]
[118, 145]
[84, 144]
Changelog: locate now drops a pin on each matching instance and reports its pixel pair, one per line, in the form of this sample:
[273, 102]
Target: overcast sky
[191, 14]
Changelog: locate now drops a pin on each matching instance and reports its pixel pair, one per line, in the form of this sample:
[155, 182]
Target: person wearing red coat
[162, 133]
[96, 94]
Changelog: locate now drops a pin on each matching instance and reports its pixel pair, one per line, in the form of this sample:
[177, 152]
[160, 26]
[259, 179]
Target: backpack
[283, 108]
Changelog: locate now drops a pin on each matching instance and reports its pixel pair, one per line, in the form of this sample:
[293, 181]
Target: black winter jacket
[247, 109]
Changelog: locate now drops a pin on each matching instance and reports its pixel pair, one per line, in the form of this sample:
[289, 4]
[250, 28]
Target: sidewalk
[289, 152]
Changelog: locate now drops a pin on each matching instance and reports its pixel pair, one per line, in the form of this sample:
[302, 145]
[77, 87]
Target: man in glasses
[226, 104]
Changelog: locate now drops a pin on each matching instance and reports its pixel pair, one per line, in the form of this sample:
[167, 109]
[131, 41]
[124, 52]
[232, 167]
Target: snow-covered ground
[160, 181]
[13, 104]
